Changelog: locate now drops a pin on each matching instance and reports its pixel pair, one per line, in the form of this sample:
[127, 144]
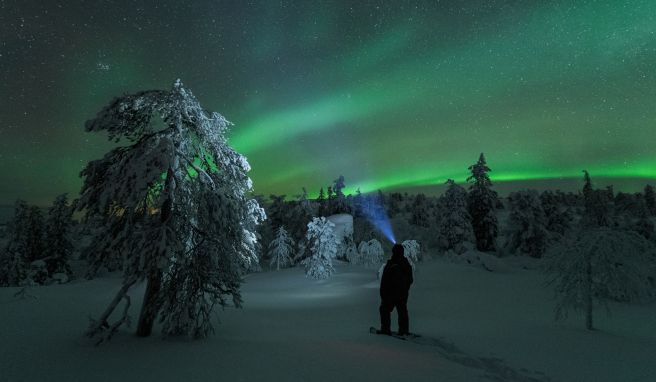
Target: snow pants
[386, 308]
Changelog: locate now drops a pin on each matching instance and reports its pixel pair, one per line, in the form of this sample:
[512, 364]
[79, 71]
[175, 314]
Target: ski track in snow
[494, 368]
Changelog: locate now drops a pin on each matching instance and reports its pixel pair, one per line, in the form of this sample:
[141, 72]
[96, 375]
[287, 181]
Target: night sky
[387, 93]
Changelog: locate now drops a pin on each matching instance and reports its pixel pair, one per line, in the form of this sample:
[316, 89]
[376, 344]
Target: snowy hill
[474, 322]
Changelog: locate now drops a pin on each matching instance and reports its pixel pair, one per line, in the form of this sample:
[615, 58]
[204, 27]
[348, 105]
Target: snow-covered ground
[291, 328]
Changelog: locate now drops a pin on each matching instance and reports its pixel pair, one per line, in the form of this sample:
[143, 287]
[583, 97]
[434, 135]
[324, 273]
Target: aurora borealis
[387, 93]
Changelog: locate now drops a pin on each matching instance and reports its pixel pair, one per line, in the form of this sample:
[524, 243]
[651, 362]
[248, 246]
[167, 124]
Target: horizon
[503, 188]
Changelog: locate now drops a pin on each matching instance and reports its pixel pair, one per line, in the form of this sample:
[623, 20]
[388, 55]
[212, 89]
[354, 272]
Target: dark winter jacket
[396, 280]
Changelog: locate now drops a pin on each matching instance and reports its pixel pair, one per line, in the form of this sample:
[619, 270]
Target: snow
[297, 329]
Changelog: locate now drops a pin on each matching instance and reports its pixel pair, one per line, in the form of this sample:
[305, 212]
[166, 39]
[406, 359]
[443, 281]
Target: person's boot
[386, 332]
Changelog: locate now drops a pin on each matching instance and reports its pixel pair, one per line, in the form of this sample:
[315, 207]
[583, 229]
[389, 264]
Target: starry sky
[387, 93]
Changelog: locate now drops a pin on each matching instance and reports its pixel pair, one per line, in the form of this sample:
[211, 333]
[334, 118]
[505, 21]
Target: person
[394, 288]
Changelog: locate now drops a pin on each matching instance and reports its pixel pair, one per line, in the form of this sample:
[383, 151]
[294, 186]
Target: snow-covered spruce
[281, 249]
[323, 248]
[14, 261]
[528, 224]
[482, 201]
[58, 245]
[371, 253]
[454, 228]
[650, 199]
[559, 218]
[600, 264]
[419, 211]
[175, 210]
[597, 205]
[412, 251]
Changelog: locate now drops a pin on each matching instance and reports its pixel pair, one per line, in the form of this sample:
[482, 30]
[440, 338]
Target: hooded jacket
[397, 278]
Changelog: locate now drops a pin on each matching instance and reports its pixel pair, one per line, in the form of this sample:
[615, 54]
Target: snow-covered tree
[14, 261]
[299, 213]
[454, 226]
[175, 204]
[394, 204]
[281, 249]
[412, 251]
[358, 204]
[558, 218]
[340, 205]
[350, 251]
[304, 203]
[597, 205]
[323, 248]
[650, 199]
[371, 253]
[35, 234]
[419, 211]
[600, 264]
[58, 245]
[528, 224]
[482, 201]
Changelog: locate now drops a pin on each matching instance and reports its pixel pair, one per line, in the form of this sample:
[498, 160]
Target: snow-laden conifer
[412, 251]
[281, 249]
[597, 265]
[419, 211]
[482, 201]
[371, 253]
[528, 224]
[454, 226]
[650, 199]
[175, 206]
[58, 245]
[14, 261]
[558, 217]
[35, 234]
[323, 248]
[596, 203]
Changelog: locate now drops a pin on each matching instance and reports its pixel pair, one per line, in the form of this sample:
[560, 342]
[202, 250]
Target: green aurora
[388, 96]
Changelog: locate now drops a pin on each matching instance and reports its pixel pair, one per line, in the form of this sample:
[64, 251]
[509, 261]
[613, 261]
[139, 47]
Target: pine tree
[358, 204]
[57, 237]
[650, 199]
[419, 214]
[394, 204]
[35, 234]
[330, 202]
[340, 204]
[481, 203]
[600, 264]
[299, 213]
[323, 248]
[321, 201]
[14, 262]
[174, 200]
[596, 203]
[305, 204]
[528, 224]
[558, 219]
[454, 227]
[281, 249]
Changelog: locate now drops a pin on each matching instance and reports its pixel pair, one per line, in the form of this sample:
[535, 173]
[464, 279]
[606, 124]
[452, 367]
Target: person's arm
[384, 283]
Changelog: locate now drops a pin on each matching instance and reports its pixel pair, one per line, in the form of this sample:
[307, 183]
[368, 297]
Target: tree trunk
[150, 304]
[588, 293]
